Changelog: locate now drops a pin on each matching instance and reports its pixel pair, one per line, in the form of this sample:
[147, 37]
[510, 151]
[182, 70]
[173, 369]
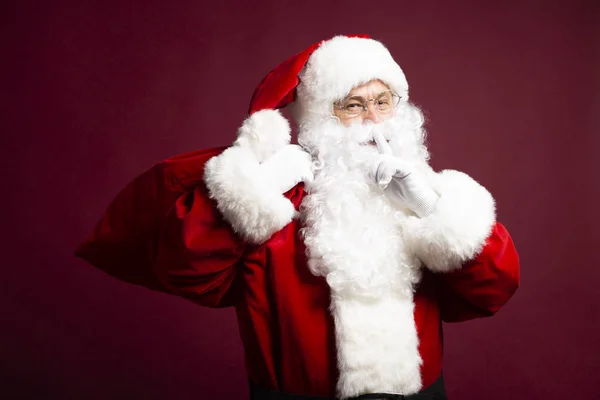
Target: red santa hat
[311, 81]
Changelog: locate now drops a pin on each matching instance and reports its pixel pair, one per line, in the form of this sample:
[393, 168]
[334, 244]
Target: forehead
[369, 89]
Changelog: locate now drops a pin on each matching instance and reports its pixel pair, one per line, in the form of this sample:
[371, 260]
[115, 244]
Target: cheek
[354, 121]
[338, 113]
[344, 120]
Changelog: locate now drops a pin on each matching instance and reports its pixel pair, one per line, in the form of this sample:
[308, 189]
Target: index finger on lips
[382, 144]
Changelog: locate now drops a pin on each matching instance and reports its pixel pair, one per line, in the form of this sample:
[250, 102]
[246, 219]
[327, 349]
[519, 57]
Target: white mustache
[329, 140]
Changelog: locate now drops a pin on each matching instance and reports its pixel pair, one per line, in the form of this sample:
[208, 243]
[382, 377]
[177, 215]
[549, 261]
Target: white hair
[405, 132]
[346, 213]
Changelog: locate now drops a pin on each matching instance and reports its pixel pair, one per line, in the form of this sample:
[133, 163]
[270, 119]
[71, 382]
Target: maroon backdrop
[95, 93]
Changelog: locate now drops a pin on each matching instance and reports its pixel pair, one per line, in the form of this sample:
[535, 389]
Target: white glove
[402, 182]
[287, 167]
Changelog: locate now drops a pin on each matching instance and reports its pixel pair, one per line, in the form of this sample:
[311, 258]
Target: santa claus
[341, 255]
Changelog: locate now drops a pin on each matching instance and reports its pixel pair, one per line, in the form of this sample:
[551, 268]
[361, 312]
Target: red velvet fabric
[278, 88]
[120, 242]
[163, 232]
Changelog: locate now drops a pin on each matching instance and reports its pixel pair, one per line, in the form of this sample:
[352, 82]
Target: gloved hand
[287, 167]
[402, 182]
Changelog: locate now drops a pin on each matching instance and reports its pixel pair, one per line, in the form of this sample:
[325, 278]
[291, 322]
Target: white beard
[353, 236]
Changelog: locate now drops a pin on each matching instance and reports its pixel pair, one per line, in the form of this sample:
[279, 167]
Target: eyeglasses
[354, 106]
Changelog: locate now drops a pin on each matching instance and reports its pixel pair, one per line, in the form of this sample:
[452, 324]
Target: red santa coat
[164, 232]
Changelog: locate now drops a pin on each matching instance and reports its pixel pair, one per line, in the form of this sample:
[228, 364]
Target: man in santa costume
[341, 255]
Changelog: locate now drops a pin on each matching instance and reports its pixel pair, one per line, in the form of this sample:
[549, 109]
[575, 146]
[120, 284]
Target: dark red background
[94, 93]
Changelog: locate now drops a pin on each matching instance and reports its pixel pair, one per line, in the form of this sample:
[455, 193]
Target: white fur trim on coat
[456, 231]
[245, 196]
[377, 346]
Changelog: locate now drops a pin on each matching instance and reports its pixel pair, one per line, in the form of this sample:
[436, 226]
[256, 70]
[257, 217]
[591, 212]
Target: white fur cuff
[456, 231]
[244, 197]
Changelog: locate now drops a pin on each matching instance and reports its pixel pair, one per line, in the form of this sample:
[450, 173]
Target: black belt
[435, 391]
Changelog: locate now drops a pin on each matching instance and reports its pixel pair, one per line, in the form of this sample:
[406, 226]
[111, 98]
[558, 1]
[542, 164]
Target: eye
[353, 106]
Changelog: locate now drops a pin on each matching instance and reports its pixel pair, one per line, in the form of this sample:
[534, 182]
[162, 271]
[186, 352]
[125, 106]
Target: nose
[371, 114]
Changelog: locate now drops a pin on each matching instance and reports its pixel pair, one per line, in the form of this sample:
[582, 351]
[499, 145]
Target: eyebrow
[376, 96]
